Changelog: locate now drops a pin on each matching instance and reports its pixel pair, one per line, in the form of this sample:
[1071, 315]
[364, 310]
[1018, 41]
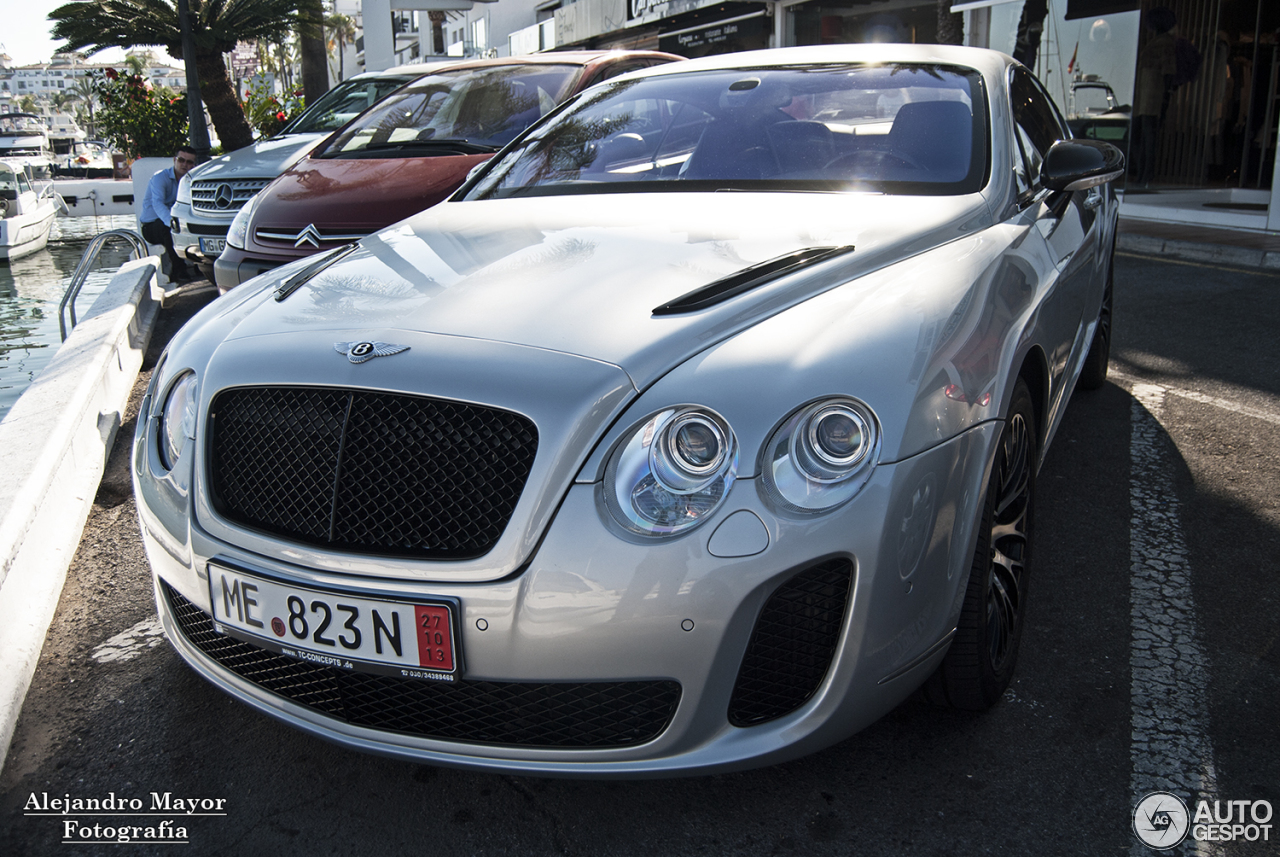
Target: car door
[1068, 221]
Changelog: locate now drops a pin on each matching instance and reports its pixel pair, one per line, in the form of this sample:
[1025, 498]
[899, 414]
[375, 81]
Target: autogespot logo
[1161, 820]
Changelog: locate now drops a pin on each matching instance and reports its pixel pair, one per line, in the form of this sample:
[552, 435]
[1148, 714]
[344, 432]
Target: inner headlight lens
[238, 234]
[822, 455]
[184, 189]
[672, 472]
[178, 421]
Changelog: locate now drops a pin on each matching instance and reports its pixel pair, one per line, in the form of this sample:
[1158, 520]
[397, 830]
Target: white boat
[86, 159]
[26, 212]
[64, 133]
[24, 140]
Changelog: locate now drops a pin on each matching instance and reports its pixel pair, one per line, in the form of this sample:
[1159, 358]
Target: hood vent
[749, 278]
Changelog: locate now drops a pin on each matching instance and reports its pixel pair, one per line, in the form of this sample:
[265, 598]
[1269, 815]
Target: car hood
[543, 307]
[583, 274]
[263, 159]
[359, 194]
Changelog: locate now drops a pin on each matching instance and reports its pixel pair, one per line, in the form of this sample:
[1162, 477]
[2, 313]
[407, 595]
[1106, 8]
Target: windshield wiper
[465, 146]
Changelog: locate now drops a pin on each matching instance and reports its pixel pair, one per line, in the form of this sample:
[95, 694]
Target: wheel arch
[1035, 372]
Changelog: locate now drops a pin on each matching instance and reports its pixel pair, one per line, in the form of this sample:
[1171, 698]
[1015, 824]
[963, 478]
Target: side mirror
[1080, 164]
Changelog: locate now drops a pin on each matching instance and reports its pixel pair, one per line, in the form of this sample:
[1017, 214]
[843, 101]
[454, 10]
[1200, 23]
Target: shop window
[854, 22]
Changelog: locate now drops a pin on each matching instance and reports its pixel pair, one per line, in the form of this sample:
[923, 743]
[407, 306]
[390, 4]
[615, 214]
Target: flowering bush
[140, 120]
[268, 112]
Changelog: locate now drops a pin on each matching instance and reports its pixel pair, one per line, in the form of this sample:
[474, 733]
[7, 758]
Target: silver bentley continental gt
[695, 432]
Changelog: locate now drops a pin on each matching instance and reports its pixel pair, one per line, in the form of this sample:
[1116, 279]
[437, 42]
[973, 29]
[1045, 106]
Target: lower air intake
[792, 644]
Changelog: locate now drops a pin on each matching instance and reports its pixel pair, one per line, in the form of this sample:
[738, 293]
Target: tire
[978, 667]
[1094, 372]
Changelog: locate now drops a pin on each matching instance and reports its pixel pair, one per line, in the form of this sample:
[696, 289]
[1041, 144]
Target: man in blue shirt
[162, 193]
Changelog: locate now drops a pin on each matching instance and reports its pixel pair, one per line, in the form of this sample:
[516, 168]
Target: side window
[1037, 126]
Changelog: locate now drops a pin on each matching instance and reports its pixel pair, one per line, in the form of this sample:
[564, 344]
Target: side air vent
[749, 278]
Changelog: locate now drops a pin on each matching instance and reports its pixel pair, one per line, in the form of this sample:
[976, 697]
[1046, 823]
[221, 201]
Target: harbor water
[31, 289]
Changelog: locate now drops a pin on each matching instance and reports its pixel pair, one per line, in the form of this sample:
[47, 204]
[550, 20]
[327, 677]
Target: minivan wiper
[464, 146]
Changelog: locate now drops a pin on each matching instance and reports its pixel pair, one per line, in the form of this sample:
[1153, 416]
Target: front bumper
[591, 606]
[235, 266]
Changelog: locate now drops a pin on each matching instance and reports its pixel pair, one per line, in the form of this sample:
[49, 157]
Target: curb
[55, 441]
[1191, 251]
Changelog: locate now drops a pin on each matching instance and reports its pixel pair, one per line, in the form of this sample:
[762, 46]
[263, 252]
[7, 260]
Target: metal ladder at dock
[86, 265]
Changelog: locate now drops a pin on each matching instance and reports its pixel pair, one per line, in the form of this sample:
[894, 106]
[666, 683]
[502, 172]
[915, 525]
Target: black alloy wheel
[978, 667]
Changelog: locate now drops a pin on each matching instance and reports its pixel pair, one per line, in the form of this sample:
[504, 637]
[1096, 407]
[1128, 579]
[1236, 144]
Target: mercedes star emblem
[223, 196]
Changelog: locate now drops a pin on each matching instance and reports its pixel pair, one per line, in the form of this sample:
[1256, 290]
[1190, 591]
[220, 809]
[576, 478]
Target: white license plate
[213, 246]
[336, 629]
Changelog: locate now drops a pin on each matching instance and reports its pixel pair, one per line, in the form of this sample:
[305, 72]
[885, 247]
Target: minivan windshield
[467, 111]
[893, 128]
[343, 103]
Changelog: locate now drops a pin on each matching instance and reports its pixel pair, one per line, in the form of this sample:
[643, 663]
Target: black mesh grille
[368, 472]
[792, 644]
[596, 714]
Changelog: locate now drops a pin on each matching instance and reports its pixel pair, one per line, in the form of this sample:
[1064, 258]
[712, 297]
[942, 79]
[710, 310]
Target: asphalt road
[1150, 660]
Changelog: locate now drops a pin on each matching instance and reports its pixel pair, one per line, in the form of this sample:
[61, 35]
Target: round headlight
[178, 420]
[672, 472]
[689, 454]
[833, 442]
[822, 455]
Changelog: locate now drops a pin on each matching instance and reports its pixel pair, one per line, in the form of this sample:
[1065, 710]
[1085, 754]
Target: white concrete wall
[54, 444]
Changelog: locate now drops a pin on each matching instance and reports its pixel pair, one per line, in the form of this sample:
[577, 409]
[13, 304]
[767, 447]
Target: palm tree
[950, 24]
[137, 65]
[83, 91]
[311, 50]
[216, 27]
[343, 30]
[60, 101]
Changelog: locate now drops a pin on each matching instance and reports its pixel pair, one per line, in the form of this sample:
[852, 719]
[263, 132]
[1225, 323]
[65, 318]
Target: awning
[966, 5]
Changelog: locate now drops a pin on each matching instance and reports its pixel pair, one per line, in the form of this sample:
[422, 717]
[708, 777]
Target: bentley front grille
[224, 197]
[526, 714]
[792, 644]
[367, 472]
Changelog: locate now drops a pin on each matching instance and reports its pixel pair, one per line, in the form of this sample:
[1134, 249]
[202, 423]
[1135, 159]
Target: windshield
[892, 128]
[343, 103]
[482, 109]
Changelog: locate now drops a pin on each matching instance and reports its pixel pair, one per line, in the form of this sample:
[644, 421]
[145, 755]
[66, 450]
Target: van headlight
[184, 189]
[672, 472]
[178, 419]
[822, 455]
[238, 234]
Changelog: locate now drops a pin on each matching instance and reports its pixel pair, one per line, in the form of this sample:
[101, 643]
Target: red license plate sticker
[435, 637]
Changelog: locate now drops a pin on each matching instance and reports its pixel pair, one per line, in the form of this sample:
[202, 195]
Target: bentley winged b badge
[359, 352]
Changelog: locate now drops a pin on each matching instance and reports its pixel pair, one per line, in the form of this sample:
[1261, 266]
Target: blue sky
[25, 34]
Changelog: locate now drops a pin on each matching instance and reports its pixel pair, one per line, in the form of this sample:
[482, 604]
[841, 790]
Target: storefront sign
[645, 11]
[730, 35]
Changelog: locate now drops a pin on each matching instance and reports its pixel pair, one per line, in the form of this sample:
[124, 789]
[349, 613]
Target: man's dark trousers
[158, 233]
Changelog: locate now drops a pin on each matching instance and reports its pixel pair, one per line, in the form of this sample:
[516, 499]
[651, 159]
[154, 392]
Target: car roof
[981, 59]
[582, 58]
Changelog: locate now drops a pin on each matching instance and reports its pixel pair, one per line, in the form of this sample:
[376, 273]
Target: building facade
[1189, 88]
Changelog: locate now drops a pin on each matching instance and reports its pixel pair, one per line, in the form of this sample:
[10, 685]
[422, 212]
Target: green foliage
[135, 118]
[266, 111]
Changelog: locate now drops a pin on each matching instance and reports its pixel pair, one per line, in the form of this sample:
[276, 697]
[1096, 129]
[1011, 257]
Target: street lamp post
[195, 106]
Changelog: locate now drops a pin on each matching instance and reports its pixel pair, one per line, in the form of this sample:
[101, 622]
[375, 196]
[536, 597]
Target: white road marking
[128, 644]
[1169, 674]
[1225, 404]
